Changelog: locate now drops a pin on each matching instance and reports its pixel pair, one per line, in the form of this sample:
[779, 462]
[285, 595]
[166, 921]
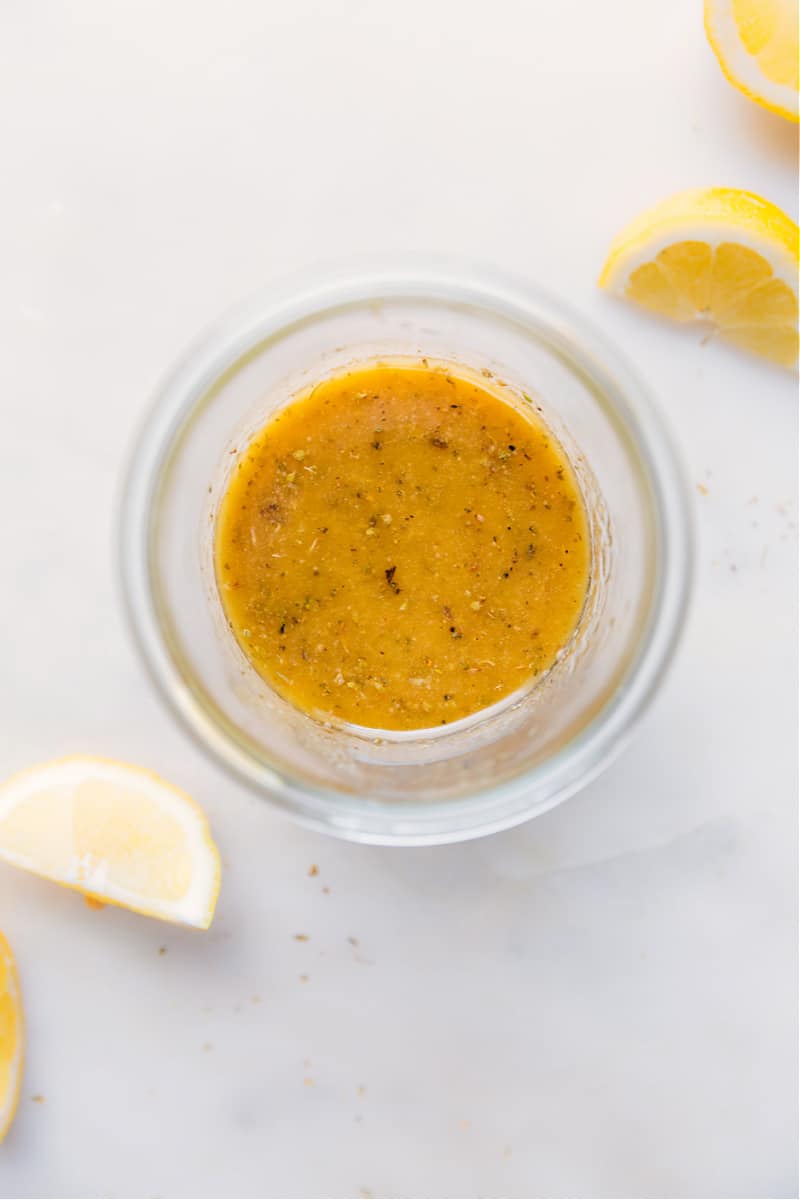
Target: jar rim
[584, 755]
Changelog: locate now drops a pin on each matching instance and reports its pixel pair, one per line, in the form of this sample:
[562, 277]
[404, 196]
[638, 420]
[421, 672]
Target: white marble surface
[601, 1003]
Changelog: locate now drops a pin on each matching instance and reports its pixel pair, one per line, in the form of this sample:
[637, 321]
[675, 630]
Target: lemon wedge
[118, 833]
[11, 1037]
[756, 42]
[717, 255]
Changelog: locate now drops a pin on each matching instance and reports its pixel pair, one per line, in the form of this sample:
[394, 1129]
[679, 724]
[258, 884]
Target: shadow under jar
[503, 764]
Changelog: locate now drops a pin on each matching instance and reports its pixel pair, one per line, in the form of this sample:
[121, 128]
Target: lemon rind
[195, 908]
[12, 1099]
[740, 68]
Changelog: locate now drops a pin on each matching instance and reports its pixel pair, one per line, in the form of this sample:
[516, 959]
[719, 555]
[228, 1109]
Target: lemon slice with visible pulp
[11, 1037]
[756, 42]
[716, 255]
[117, 833]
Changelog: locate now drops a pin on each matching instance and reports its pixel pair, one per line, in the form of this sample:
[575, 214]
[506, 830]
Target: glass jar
[496, 768]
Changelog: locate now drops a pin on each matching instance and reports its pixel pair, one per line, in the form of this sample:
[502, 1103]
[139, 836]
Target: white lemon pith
[756, 42]
[118, 833]
[717, 255]
[11, 1037]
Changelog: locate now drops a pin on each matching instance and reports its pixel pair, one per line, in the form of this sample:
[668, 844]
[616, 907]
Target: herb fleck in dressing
[400, 548]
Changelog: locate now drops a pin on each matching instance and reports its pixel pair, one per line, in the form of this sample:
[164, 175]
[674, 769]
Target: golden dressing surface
[400, 548]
